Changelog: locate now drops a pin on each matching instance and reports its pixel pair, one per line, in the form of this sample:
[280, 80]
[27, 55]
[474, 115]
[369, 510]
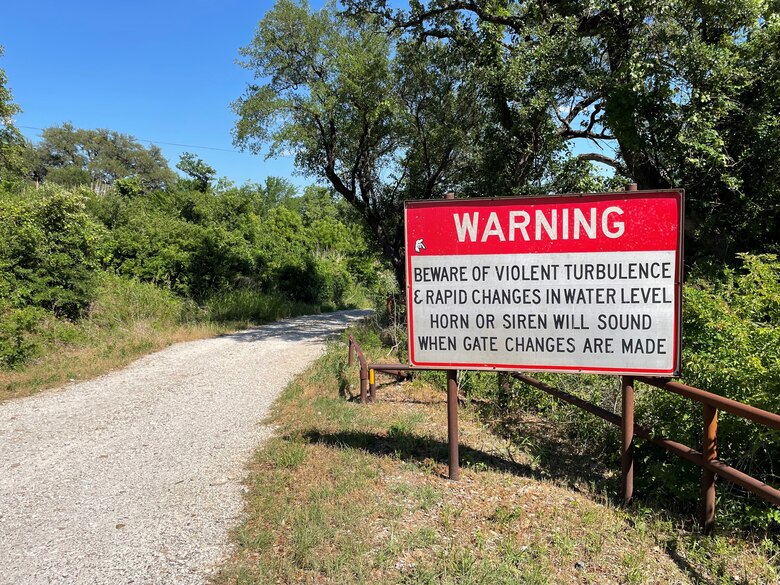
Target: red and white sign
[571, 283]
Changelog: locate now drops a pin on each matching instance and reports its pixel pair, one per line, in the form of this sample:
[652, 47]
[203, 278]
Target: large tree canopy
[515, 97]
[386, 118]
[668, 93]
[99, 158]
[380, 122]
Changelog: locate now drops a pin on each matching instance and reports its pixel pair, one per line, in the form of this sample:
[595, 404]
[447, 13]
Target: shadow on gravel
[309, 327]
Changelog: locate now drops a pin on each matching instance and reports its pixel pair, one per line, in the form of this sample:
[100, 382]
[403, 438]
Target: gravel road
[136, 477]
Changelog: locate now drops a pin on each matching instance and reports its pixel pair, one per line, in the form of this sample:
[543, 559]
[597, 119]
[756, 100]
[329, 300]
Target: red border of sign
[676, 358]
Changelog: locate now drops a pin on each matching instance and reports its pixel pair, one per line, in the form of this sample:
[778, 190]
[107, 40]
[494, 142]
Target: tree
[353, 116]
[49, 250]
[201, 174]
[72, 156]
[278, 190]
[12, 143]
[669, 93]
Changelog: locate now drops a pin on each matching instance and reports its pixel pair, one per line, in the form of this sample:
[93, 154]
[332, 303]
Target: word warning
[587, 283]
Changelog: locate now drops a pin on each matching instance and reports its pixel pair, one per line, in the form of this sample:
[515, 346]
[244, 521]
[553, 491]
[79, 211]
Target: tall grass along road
[136, 477]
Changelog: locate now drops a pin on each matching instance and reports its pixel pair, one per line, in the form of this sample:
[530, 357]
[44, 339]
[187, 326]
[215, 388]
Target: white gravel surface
[135, 477]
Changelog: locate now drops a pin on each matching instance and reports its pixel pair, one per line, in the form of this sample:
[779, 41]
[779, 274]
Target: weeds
[127, 319]
[370, 502]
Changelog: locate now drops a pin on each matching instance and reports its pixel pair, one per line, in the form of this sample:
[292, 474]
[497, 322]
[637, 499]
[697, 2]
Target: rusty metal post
[627, 427]
[709, 451]
[371, 385]
[627, 446]
[363, 381]
[452, 424]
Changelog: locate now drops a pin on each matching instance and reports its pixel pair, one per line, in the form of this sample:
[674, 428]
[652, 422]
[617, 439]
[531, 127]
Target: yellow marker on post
[371, 385]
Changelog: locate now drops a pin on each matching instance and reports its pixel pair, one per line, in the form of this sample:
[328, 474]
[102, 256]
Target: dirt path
[136, 477]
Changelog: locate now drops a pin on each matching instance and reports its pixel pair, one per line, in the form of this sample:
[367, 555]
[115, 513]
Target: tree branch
[604, 159]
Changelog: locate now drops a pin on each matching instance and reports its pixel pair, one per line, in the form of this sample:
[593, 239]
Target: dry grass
[99, 352]
[351, 493]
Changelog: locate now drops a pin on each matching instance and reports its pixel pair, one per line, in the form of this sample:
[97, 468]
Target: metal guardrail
[706, 458]
[354, 349]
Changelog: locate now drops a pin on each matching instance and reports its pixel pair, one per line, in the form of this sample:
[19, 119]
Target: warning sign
[586, 283]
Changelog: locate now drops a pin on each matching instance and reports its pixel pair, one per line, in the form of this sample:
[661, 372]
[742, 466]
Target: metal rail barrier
[354, 349]
[706, 458]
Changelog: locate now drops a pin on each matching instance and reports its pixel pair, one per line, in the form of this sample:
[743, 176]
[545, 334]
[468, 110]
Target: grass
[130, 319]
[351, 493]
[252, 306]
[95, 354]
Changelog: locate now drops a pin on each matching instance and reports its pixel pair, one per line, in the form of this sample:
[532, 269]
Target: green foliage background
[244, 254]
[731, 346]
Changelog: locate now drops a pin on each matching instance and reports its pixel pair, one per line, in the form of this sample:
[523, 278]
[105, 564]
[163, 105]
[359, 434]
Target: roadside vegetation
[352, 493]
[731, 346]
[99, 265]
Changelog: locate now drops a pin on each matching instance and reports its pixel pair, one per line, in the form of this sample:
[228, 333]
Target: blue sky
[160, 71]
[163, 71]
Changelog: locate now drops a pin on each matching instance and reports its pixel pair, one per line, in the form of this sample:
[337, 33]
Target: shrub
[17, 335]
[731, 346]
[249, 305]
[49, 250]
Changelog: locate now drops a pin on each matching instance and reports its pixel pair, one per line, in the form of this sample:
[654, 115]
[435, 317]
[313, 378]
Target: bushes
[128, 256]
[49, 256]
[49, 250]
[17, 335]
[122, 302]
[731, 346]
[732, 332]
[202, 244]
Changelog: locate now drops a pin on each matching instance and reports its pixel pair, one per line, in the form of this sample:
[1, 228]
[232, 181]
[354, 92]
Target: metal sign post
[452, 412]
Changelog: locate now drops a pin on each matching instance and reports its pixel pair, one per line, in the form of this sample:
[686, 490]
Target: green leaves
[49, 250]
[13, 146]
[98, 158]
[381, 121]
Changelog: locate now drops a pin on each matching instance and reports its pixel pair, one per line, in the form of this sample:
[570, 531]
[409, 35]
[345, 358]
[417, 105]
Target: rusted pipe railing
[371, 384]
[769, 419]
[705, 459]
[354, 347]
[452, 425]
[397, 370]
[710, 465]
[709, 454]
